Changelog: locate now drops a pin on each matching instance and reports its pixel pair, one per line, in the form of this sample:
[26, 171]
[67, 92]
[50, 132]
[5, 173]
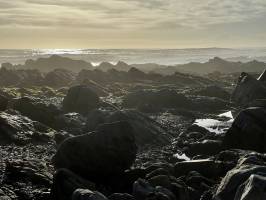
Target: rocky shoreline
[131, 136]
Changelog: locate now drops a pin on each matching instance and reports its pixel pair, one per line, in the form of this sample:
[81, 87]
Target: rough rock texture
[248, 89]
[80, 99]
[248, 130]
[59, 78]
[253, 189]
[18, 129]
[231, 187]
[146, 130]
[37, 110]
[109, 150]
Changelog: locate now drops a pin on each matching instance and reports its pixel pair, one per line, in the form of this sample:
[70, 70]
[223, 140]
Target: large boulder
[235, 185]
[107, 151]
[248, 130]
[80, 99]
[20, 130]
[248, 89]
[146, 130]
[253, 189]
[37, 110]
[59, 78]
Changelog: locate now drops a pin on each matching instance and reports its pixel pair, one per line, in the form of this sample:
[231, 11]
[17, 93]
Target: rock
[73, 123]
[161, 99]
[21, 130]
[213, 91]
[160, 180]
[29, 171]
[37, 110]
[146, 130]
[121, 196]
[66, 182]
[248, 130]
[3, 196]
[143, 190]
[54, 62]
[3, 102]
[107, 151]
[253, 189]
[85, 194]
[208, 104]
[100, 90]
[206, 167]
[59, 78]
[248, 166]
[248, 89]
[205, 147]
[80, 99]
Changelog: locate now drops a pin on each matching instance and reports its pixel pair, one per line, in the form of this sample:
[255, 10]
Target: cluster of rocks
[84, 146]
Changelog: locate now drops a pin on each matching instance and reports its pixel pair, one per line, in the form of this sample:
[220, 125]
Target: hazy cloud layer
[122, 20]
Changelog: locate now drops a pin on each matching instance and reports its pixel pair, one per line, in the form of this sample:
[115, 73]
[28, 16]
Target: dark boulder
[206, 167]
[254, 188]
[248, 89]
[80, 99]
[3, 102]
[109, 150]
[146, 130]
[205, 147]
[73, 123]
[248, 130]
[37, 110]
[59, 78]
[246, 171]
[66, 182]
[18, 129]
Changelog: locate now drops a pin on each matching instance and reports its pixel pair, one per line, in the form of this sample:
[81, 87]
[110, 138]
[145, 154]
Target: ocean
[137, 56]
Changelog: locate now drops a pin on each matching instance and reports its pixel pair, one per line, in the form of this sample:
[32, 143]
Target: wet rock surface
[129, 135]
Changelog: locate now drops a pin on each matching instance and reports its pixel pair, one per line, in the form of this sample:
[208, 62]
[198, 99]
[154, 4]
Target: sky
[132, 23]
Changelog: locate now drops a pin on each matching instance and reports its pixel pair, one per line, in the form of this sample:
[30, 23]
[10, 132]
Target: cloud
[129, 17]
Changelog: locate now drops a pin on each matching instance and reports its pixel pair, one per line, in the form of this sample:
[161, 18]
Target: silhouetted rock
[160, 99]
[80, 99]
[20, 130]
[248, 89]
[73, 123]
[248, 130]
[108, 151]
[220, 65]
[54, 62]
[59, 78]
[100, 90]
[105, 66]
[37, 110]
[146, 130]
[66, 182]
[3, 102]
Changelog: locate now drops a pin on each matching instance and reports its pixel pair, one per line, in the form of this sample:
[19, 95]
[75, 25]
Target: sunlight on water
[214, 125]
